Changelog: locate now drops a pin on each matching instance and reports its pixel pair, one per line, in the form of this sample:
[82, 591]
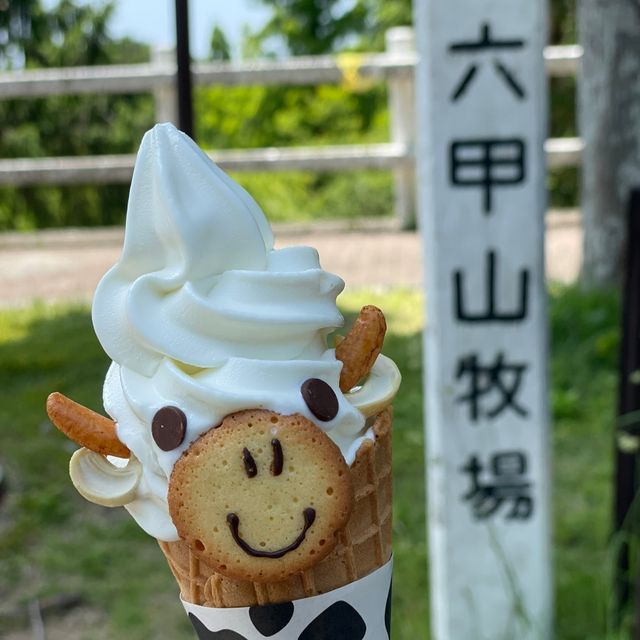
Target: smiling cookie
[262, 496]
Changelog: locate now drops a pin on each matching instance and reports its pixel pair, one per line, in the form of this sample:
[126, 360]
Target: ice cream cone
[219, 354]
[364, 545]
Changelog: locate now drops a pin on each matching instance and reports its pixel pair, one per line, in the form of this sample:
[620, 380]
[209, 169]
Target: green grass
[52, 541]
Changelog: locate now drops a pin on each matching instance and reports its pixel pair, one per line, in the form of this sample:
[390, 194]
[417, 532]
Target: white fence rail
[139, 78]
[395, 66]
[306, 70]
[118, 168]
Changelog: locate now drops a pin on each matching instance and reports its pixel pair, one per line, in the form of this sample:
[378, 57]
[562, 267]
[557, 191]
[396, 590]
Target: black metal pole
[185, 97]
[628, 402]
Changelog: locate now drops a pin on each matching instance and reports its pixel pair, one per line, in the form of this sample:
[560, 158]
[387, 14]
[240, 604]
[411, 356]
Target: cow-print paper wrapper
[358, 611]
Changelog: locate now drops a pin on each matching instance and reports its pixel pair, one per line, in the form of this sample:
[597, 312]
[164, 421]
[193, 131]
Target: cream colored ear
[378, 390]
[102, 482]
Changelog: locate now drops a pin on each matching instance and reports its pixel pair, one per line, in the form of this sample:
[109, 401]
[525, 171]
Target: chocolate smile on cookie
[234, 522]
[262, 496]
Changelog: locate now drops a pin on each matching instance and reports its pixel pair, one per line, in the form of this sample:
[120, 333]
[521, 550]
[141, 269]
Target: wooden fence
[395, 67]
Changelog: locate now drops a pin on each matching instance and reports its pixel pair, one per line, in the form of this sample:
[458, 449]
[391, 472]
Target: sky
[153, 21]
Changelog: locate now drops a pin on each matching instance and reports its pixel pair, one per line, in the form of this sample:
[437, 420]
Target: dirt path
[67, 264]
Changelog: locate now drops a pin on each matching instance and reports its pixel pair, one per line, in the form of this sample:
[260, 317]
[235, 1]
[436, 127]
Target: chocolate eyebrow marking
[278, 457]
[249, 463]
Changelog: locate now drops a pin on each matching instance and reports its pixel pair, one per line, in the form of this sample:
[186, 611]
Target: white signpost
[481, 95]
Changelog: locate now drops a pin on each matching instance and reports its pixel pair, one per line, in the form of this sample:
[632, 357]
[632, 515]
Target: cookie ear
[361, 346]
[85, 427]
[262, 496]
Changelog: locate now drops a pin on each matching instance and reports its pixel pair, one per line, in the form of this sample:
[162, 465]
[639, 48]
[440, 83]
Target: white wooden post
[164, 95]
[481, 96]
[402, 116]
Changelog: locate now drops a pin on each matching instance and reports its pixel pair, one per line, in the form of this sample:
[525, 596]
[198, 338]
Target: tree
[311, 27]
[314, 27]
[219, 48]
[382, 15]
[15, 29]
[562, 22]
[610, 125]
[33, 37]
[66, 35]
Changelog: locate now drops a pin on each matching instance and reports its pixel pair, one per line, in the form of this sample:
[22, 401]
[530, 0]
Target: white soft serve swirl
[202, 313]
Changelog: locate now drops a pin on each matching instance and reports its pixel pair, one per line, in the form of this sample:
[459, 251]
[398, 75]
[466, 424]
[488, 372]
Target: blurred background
[65, 34]
[325, 150]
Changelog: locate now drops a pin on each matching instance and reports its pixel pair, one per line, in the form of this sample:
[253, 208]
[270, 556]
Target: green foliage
[69, 35]
[305, 196]
[15, 28]
[219, 48]
[384, 14]
[247, 117]
[311, 27]
[583, 373]
[562, 23]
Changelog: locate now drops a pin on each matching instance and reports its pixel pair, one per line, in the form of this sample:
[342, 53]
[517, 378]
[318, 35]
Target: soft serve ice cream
[202, 313]
[259, 457]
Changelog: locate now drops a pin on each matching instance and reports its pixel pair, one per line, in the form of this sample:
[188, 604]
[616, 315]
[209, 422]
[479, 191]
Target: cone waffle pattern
[364, 545]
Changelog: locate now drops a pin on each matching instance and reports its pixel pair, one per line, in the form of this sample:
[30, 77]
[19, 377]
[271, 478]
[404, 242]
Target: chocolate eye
[168, 428]
[278, 457]
[320, 398]
[249, 463]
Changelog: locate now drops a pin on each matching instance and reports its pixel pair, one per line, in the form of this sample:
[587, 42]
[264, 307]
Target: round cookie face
[261, 497]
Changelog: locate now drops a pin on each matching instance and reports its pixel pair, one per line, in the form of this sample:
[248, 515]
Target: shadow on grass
[53, 542]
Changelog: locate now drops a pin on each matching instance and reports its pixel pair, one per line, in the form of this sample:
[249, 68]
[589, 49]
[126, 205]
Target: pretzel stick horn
[361, 346]
[85, 427]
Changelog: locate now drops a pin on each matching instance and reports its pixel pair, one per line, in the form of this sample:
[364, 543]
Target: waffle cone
[363, 546]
